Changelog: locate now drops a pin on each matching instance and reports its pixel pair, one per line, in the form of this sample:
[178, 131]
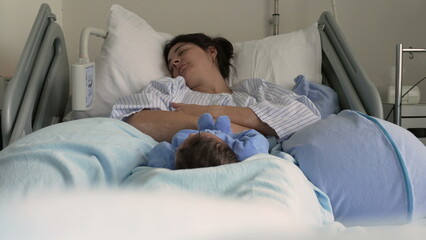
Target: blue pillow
[324, 98]
[373, 171]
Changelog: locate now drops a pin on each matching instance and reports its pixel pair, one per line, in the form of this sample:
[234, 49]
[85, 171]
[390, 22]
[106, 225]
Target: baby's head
[204, 149]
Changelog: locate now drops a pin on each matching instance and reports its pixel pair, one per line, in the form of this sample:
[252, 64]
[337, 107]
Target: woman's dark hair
[225, 50]
[202, 151]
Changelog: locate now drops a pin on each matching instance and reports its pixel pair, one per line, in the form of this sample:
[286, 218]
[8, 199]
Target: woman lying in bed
[355, 159]
[200, 66]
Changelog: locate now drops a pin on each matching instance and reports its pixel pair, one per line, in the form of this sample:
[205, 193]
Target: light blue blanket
[107, 153]
[86, 153]
[262, 177]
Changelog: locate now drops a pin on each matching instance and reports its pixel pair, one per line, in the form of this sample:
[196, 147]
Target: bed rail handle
[39, 105]
[84, 41]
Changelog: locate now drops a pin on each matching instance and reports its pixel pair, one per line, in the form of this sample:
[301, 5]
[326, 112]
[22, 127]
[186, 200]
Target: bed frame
[341, 71]
[37, 95]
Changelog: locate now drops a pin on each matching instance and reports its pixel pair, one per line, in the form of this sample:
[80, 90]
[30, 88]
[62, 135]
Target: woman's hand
[192, 109]
[163, 125]
[241, 116]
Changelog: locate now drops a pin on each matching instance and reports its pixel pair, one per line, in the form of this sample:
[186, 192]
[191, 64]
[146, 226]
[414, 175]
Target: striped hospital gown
[280, 108]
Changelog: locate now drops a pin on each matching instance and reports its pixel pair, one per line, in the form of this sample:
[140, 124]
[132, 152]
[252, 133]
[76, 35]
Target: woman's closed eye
[178, 53]
[181, 52]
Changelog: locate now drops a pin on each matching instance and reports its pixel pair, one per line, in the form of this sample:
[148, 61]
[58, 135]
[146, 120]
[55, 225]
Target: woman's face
[191, 62]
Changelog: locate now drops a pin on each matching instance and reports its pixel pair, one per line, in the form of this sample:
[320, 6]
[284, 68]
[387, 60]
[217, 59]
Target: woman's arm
[242, 116]
[163, 125]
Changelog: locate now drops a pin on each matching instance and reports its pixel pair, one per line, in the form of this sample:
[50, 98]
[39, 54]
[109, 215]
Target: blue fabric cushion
[324, 98]
[372, 170]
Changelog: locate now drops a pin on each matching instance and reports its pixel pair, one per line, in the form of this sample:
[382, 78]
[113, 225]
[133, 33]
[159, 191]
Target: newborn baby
[213, 144]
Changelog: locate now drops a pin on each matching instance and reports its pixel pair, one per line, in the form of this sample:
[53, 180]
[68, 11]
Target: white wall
[16, 20]
[372, 27]
[237, 20]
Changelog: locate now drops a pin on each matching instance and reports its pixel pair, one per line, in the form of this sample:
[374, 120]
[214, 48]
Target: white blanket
[124, 214]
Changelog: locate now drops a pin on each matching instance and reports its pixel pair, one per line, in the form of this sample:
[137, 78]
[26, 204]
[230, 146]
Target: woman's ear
[212, 51]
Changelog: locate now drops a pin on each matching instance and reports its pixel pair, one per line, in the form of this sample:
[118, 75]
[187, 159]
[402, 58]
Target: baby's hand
[162, 156]
[222, 124]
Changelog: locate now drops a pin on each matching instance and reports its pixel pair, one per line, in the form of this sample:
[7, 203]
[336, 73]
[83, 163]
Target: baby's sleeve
[248, 143]
[162, 156]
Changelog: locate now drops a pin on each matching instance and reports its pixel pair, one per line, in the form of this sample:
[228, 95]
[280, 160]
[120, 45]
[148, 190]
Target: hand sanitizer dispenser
[83, 73]
[83, 86]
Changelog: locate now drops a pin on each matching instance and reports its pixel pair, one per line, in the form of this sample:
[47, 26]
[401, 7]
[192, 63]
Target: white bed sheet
[121, 214]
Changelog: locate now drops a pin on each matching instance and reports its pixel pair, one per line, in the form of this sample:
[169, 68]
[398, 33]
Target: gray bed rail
[342, 72]
[37, 94]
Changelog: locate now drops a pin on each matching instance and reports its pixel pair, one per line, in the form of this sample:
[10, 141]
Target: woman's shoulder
[246, 85]
[255, 82]
[248, 81]
[255, 85]
[165, 81]
[166, 84]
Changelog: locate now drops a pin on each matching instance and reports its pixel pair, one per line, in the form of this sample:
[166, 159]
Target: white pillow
[131, 56]
[281, 58]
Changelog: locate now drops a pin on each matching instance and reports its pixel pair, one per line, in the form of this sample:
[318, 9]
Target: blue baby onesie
[245, 144]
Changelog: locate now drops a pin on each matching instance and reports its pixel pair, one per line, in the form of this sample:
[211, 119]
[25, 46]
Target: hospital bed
[96, 166]
[30, 104]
